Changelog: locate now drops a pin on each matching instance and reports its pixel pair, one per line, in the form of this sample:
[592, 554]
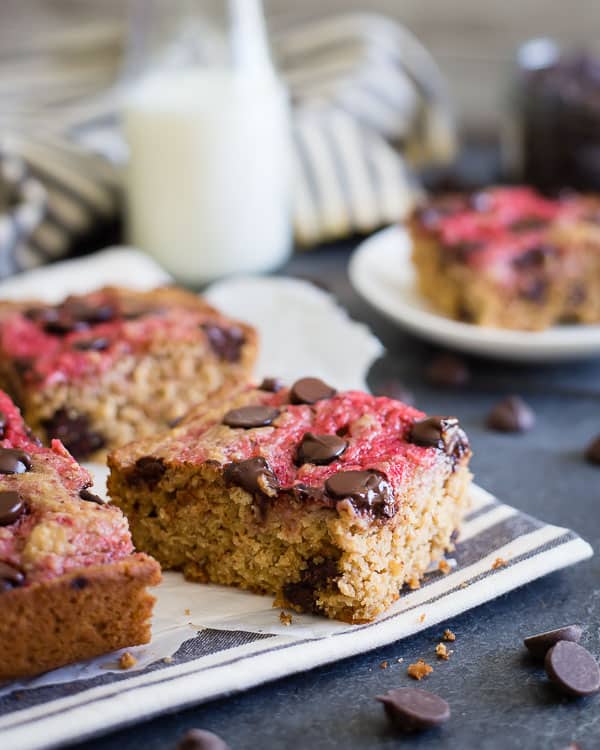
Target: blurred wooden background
[474, 41]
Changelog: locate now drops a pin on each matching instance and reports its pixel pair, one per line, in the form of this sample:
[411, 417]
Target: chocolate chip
[443, 433]
[528, 223]
[226, 342]
[253, 475]
[11, 507]
[368, 490]
[3, 421]
[395, 390]
[80, 312]
[89, 497]
[316, 577]
[199, 739]
[511, 414]
[64, 325]
[320, 449]
[310, 390]
[272, 385]
[14, 461]
[75, 432]
[248, 417]
[73, 315]
[41, 314]
[539, 644]
[573, 669]
[460, 252]
[149, 470]
[412, 709]
[99, 314]
[535, 257]
[10, 577]
[79, 583]
[592, 452]
[95, 345]
[448, 370]
[23, 365]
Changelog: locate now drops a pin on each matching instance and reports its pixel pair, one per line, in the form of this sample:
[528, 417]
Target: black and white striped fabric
[369, 104]
[499, 550]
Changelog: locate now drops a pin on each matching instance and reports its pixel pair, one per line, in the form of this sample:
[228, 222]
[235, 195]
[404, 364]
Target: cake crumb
[127, 660]
[448, 635]
[384, 665]
[419, 669]
[285, 619]
[422, 617]
[464, 585]
[442, 652]
[414, 584]
[187, 612]
[499, 562]
[168, 660]
[444, 566]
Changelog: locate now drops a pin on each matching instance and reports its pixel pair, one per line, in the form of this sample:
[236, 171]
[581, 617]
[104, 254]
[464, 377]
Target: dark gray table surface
[499, 699]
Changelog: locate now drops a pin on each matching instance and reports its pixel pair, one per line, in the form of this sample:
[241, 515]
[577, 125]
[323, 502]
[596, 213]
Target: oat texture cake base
[329, 501]
[71, 585]
[101, 369]
[509, 257]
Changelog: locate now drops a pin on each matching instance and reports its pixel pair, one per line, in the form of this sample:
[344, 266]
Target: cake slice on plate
[509, 257]
[330, 501]
[71, 585]
[101, 369]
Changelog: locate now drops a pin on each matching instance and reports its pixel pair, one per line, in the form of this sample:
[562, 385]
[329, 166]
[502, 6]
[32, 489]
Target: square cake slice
[71, 585]
[99, 370]
[509, 257]
[329, 501]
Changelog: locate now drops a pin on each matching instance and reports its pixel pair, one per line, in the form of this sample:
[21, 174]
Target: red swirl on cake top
[85, 336]
[497, 225]
[375, 428]
[57, 531]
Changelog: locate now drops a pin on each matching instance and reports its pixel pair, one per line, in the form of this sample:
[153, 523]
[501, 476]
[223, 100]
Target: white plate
[381, 271]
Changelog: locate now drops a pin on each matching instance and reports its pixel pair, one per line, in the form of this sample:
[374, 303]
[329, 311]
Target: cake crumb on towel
[127, 660]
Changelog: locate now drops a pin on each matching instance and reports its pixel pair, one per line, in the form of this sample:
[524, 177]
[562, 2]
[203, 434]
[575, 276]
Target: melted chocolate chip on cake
[310, 390]
[226, 342]
[253, 475]
[367, 490]
[75, 432]
[320, 449]
[10, 577]
[444, 433]
[14, 461]
[249, 417]
[12, 507]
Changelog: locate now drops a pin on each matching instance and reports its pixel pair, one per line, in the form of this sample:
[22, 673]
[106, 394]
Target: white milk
[208, 181]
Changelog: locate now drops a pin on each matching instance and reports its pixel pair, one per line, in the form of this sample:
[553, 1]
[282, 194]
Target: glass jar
[207, 122]
[557, 117]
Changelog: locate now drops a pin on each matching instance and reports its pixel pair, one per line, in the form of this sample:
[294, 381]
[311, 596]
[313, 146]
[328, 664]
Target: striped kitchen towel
[241, 642]
[369, 104]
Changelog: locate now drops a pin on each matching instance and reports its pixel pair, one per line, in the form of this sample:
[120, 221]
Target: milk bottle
[208, 177]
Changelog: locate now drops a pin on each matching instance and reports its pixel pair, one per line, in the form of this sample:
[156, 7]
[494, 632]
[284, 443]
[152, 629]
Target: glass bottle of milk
[207, 123]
